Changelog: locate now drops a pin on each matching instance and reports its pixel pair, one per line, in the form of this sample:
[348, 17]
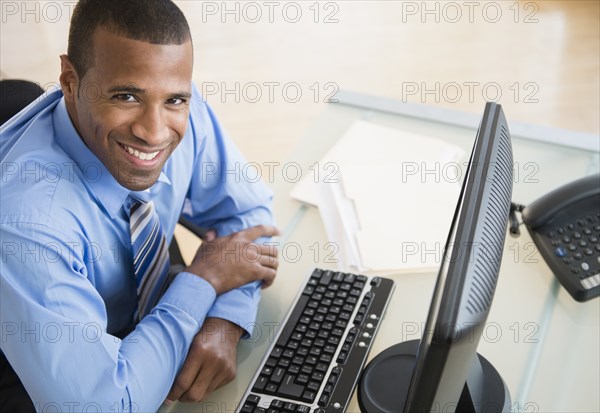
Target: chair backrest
[15, 94]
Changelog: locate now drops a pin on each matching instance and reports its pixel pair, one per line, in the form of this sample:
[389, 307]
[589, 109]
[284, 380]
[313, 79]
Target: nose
[150, 126]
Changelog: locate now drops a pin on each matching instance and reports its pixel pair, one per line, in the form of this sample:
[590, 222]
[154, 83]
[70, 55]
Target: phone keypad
[577, 245]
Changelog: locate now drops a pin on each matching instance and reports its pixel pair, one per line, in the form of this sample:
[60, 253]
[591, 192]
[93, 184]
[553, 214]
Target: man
[128, 132]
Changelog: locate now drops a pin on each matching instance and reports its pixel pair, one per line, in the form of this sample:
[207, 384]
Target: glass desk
[545, 344]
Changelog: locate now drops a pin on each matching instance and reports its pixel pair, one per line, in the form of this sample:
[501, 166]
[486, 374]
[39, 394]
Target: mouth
[142, 159]
[144, 156]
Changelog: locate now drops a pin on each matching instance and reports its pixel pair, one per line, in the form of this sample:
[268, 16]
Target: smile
[144, 156]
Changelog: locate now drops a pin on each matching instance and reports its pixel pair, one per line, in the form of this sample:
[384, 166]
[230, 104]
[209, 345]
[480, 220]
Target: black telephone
[565, 226]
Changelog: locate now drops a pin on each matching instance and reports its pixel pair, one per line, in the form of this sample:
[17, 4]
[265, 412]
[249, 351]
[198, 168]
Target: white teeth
[141, 155]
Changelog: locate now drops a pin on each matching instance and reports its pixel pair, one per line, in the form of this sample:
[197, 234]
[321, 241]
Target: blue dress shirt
[66, 278]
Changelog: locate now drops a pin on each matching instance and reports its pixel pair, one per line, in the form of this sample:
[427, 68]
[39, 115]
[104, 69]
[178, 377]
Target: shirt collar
[100, 181]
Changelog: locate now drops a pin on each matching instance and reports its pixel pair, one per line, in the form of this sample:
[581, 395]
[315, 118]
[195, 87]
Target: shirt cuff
[191, 294]
[239, 307]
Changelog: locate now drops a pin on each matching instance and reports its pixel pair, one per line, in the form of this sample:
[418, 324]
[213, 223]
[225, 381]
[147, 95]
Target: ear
[69, 80]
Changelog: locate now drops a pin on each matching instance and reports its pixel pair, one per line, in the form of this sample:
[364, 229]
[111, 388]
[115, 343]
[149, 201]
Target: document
[389, 204]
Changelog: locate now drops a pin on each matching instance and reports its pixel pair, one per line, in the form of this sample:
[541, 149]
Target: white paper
[390, 204]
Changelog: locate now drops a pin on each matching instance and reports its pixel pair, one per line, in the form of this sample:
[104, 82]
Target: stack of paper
[390, 203]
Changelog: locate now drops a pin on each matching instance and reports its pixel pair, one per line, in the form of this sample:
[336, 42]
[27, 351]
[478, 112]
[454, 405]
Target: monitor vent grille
[494, 209]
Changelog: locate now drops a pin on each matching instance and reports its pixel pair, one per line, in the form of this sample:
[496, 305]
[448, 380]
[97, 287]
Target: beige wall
[546, 64]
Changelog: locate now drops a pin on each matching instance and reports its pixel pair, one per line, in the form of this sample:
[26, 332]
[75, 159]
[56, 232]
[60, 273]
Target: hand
[210, 363]
[235, 260]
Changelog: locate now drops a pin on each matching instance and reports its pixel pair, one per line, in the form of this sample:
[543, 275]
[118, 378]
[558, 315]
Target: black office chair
[15, 94]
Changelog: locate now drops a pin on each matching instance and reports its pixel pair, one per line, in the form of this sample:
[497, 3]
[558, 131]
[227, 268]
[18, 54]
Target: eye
[176, 101]
[125, 97]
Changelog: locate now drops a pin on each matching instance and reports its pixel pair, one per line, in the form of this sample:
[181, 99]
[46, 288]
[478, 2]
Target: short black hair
[151, 21]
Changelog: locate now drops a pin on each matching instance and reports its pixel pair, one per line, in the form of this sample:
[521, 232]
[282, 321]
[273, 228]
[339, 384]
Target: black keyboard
[318, 354]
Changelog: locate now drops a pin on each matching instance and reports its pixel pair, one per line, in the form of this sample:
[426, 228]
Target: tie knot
[137, 204]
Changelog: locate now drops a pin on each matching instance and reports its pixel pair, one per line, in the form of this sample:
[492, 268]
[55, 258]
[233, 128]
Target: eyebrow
[136, 90]
[125, 89]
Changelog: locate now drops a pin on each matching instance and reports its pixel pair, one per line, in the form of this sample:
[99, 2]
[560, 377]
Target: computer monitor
[442, 372]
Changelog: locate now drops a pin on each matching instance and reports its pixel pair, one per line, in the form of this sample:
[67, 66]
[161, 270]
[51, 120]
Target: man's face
[132, 105]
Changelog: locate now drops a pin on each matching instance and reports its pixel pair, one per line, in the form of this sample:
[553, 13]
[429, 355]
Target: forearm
[56, 338]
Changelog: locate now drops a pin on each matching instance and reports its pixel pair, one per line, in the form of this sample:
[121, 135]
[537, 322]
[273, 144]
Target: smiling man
[91, 318]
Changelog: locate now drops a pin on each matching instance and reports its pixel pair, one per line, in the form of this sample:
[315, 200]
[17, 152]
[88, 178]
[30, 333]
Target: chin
[137, 184]
[134, 183]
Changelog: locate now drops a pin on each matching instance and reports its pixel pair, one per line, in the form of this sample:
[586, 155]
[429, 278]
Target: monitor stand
[384, 383]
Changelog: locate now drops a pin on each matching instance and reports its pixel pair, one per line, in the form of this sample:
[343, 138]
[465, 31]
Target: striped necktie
[150, 255]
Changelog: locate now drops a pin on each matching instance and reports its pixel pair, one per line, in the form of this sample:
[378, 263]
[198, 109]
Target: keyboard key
[326, 358]
[313, 385]
[308, 290]
[326, 278]
[324, 400]
[277, 376]
[317, 376]
[302, 379]
[338, 277]
[290, 389]
[260, 384]
[253, 399]
[289, 407]
[276, 404]
[329, 349]
[309, 396]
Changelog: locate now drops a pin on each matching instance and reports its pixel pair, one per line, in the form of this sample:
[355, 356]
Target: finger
[258, 231]
[198, 390]
[268, 261]
[218, 383]
[207, 380]
[268, 277]
[186, 376]
[254, 252]
[270, 250]
[266, 284]
[210, 235]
